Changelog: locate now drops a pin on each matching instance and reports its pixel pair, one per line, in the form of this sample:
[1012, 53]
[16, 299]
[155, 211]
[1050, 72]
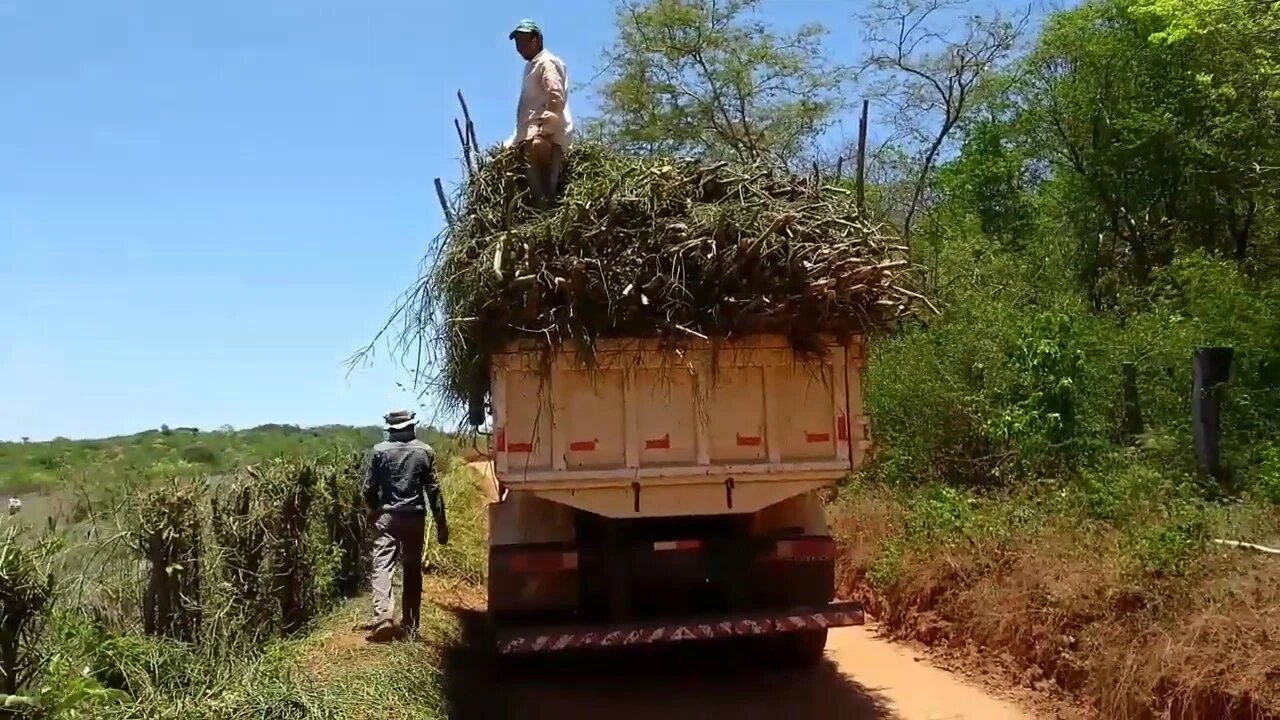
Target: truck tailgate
[651, 431]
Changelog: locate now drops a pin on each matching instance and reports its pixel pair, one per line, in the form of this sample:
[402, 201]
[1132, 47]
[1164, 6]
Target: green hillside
[35, 467]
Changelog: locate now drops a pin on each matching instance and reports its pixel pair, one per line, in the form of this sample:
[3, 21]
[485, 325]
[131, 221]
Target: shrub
[167, 525]
[1169, 547]
[26, 597]
[240, 534]
[1265, 484]
[288, 491]
[198, 454]
[344, 522]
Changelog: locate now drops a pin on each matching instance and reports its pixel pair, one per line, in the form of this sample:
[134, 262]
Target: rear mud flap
[520, 641]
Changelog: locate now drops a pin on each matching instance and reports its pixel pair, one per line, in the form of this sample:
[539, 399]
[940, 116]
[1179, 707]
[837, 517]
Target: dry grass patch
[1070, 607]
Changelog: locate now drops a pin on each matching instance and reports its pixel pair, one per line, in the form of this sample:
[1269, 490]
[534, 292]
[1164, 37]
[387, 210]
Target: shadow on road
[670, 683]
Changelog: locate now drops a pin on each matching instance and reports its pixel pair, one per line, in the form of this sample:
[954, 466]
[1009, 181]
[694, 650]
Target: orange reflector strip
[662, 443]
[543, 562]
[815, 548]
[749, 440]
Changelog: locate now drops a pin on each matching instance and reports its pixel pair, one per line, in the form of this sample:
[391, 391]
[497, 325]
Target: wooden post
[862, 159]
[1211, 368]
[472, 143]
[444, 202]
[466, 146]
[1133, 425]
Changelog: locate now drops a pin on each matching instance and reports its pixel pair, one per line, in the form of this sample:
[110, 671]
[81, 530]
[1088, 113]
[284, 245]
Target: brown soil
[1060, 614]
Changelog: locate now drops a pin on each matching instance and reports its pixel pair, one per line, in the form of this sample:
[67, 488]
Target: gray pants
[398, 539]
[543, 171]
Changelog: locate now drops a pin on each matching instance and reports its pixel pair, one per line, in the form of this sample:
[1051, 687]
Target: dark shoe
[384, 631]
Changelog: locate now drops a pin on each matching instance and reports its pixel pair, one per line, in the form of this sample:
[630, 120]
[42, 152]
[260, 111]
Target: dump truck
[654, 491]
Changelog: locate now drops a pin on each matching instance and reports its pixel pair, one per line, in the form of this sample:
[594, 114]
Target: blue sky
[206, 207]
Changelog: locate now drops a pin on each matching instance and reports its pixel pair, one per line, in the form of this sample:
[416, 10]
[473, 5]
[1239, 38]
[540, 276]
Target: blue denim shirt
[401, 477]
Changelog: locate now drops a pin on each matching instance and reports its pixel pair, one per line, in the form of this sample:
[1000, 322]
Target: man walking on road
[544, 125]
[399, 486]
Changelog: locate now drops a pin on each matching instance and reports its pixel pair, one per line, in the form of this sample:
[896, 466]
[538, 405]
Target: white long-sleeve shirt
[544, 102]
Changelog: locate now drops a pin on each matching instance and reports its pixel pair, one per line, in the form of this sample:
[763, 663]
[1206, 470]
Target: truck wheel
[802, 649]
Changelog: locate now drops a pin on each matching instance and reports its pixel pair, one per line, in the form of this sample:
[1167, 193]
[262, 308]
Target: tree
[929, 76]
[1161, 128]
[705, 78]
[1242, 85]
[989, 179]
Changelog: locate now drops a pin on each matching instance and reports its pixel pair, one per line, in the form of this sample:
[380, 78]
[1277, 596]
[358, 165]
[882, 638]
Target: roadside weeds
[1060, 608]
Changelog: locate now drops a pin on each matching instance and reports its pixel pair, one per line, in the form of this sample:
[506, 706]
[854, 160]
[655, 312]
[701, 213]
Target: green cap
[526, 27]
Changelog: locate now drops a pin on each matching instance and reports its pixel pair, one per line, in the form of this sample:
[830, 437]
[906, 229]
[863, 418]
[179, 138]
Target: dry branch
[1249, 546]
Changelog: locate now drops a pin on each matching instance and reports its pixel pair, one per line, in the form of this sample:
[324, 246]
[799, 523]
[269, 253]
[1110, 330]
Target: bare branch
[924, 71]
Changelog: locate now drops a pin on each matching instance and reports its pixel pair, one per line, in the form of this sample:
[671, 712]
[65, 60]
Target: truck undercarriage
[628, 582]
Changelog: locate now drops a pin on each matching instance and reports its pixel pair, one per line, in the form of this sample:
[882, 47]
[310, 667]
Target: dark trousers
[398, 540]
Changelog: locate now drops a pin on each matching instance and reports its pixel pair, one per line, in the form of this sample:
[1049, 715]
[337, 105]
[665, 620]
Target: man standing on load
[544, 125]
[399, 485]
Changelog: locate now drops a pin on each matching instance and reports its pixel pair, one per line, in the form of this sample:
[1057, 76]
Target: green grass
[98, 670]
[331, 674]
[466, 556]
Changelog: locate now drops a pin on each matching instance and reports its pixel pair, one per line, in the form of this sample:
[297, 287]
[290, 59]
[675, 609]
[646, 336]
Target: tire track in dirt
[863, 677]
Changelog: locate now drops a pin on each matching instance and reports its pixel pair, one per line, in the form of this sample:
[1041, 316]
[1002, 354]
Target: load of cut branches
[641, 247]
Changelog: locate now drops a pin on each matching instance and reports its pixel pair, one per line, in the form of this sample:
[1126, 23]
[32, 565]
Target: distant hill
[35, 466]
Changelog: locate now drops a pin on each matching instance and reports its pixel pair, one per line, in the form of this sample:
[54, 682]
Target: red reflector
[520, 447]
[817, 437]
[543, 562]
[582, 446]
[677, 545]
[662, 443]
[749, 440]
[808, 548]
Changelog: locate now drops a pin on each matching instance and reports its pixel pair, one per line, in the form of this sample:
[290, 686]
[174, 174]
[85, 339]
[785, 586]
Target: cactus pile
[648, 247]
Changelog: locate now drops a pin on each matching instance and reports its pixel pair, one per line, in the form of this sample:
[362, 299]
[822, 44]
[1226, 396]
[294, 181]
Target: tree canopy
[709, 78]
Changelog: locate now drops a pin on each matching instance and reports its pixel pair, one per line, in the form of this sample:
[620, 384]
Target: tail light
[805, 549]
[540, 562]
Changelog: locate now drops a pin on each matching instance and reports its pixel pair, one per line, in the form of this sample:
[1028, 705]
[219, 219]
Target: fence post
[1211, 369]
[1133, 425]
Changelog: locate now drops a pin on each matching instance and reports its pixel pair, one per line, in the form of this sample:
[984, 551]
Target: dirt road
[863, 678]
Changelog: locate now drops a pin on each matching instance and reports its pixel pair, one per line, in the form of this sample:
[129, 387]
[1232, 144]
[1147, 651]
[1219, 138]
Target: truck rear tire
[802, 649]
